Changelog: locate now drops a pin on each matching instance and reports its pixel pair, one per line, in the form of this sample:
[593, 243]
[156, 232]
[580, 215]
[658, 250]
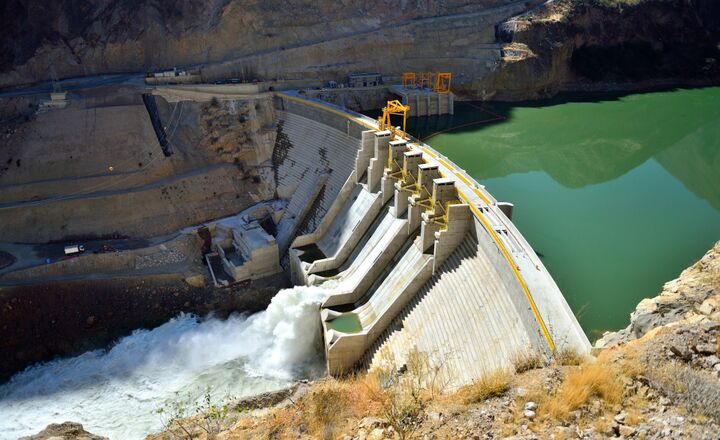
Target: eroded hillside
[86, 170]
[496, 49]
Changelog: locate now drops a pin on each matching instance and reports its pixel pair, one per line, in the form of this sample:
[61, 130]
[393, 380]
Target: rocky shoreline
[692, 298]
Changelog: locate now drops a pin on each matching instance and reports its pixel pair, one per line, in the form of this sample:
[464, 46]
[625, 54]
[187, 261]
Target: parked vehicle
[74, 249]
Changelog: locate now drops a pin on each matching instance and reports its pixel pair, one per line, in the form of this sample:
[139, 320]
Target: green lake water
[617, 194]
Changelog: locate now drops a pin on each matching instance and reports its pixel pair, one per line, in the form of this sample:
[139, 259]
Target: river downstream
[117, 392]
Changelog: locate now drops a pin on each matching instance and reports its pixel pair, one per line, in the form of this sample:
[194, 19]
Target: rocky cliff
[605, 44]
[262, 38]
[501, 49]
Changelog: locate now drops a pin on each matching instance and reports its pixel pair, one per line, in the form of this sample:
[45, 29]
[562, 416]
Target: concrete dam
[415, 255]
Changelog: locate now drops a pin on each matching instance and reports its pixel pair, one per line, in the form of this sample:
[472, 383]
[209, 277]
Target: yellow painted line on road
[473, 208]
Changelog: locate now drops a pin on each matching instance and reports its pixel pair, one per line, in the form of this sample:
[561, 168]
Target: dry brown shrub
[569, 356]
[590, 380]
[491, 385]
[279, 422]
[525, 361]
[362, 393]
[698, 391]
[634, 417]
[603, 424]
[325, 408]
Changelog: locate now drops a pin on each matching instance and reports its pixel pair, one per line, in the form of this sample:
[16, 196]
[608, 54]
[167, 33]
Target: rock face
[693, 296]
[74, 172]
[64, 431]
[492, 51]
[596, 44]
[271, 38]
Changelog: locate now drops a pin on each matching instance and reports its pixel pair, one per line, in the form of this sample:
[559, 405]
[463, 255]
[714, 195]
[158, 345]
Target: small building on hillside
[364, 79]
[247, 252]
[174, 76]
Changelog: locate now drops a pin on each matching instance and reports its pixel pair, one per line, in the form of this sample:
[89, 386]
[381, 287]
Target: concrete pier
[425, 102]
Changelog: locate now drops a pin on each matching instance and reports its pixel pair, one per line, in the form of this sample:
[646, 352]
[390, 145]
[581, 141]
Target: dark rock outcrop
[64, 431]
[605, 44]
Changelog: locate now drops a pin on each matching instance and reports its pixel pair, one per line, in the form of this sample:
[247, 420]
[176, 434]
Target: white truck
[74, 249]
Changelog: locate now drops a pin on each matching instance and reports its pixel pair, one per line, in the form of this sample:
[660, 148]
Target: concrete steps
[364, 267]
[357, 208]
[308, 148]
[387, 294]
[464, 304]
[387, 298]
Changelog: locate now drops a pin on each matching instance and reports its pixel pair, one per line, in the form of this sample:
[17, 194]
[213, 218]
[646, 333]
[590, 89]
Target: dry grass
[632, 367]
[326, 410]
[569, 356]
[279, 422]
[361, 394]
[603, 424]
[524, 361]
[326, 407]
[492, 385]
[634, 416]
[698, 391]
[590, 380]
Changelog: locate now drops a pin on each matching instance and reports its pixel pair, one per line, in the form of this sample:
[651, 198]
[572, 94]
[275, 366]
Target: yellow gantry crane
[409, 79]
[393, 107]
[442, 82]
[438, 81]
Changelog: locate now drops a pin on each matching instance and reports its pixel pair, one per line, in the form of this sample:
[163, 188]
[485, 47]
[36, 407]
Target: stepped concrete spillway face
[415, 256]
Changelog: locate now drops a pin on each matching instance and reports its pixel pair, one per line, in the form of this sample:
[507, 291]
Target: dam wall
[312, 161]
[418, 257]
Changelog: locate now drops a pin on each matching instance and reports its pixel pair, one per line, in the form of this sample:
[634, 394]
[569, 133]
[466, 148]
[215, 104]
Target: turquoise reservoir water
[617, 194]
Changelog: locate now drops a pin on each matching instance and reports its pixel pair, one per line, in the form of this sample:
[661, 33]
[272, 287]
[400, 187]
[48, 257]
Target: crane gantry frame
[438, 81]
[397, 108]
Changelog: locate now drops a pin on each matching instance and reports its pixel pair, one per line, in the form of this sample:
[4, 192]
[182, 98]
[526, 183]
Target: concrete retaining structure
[386, 297]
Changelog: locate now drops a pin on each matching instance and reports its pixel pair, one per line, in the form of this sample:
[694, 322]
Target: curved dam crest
[453, 257]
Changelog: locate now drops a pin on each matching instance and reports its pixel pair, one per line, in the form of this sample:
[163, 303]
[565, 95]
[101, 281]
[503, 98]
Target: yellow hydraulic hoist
[393, 107]
[442, 82]
[409, 80]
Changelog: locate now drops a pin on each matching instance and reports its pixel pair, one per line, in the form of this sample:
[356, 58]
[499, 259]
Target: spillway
[416, 255]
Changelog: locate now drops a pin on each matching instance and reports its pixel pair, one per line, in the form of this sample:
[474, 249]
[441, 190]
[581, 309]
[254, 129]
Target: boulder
[64, 431]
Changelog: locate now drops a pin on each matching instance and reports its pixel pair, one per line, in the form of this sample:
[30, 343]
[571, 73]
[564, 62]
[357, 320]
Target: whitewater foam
[115, 392]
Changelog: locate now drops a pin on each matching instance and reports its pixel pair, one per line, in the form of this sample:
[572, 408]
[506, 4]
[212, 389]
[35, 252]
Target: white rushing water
[116, 392]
